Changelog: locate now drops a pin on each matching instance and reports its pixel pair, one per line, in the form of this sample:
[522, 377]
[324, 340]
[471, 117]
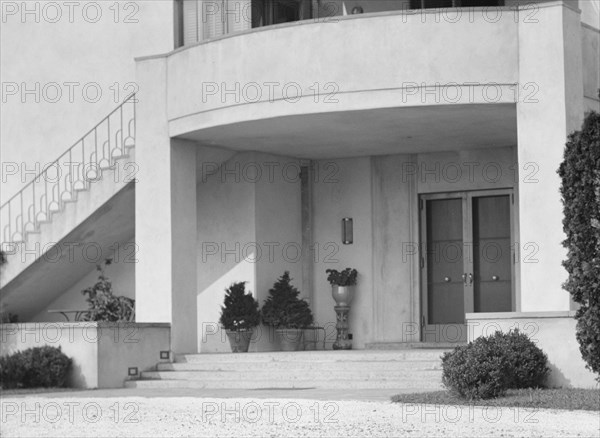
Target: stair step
[417, 385]
[315, 356]
[413, 369]
[285, 375]
[380, 366]
[413, 345]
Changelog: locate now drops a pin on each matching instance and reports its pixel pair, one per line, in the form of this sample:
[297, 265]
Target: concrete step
[413, 345]
[412, 369]
[432, 384]
[315, 356]
[284, 375]
[375, 366]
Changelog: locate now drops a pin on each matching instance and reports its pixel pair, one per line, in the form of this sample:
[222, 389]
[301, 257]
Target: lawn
[571, 399]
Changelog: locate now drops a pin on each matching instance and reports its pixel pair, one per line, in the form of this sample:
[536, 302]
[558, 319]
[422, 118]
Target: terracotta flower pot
[342, 294]
[239, 340]
[290, 339]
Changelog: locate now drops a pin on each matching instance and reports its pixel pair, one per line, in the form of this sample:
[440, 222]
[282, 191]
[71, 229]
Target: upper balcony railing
[200, 20]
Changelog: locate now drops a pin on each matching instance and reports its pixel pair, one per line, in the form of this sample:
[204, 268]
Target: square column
[550, 107]
[165, 214]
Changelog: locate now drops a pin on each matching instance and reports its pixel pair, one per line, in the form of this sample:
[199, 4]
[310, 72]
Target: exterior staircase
[52, 209]
[411, 368]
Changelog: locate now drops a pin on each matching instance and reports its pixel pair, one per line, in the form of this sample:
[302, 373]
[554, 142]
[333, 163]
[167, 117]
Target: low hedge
[38, 367]
[489, 366]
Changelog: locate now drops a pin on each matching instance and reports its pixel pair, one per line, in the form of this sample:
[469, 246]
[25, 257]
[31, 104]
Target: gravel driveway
[186, 416]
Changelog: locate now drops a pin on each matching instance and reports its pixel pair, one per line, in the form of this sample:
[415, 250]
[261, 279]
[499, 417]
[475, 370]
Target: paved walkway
[125, 413]
[381, 395]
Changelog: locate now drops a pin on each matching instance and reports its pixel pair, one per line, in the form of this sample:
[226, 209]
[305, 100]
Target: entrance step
[413, 369]
[413, 345]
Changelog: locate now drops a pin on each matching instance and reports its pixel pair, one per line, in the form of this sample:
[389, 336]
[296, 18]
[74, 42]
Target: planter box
[103, 353]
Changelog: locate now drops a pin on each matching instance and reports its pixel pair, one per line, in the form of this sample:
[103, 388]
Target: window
[428, 4]
[267, 12]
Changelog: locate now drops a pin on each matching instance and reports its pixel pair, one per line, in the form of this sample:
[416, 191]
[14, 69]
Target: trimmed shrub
[12, 371]
[284, 308]
[489, 366]
[580, 174]
[240, 309]
[38, 367]
[527, 362]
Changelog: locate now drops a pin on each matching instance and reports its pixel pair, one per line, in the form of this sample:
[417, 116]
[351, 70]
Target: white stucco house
[256, 127]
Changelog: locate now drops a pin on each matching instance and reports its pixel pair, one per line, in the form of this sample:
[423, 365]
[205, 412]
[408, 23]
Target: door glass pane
[445, 291]
[481, 3]
[492, 254]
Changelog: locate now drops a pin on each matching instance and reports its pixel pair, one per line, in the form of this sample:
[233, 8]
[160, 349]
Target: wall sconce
[347, 231]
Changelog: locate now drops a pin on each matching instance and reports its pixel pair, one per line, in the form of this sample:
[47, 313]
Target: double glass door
[466, 260]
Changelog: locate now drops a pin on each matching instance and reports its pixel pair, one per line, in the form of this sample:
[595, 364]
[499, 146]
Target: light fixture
[347, 231]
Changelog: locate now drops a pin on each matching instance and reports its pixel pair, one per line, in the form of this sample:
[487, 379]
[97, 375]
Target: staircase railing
[73, 171]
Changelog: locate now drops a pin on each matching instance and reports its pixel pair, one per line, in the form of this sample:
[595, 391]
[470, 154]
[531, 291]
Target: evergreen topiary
[580, 173]
[283, 308]
[240, 309]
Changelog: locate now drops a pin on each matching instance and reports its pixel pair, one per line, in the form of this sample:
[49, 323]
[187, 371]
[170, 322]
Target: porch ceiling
[370, 132]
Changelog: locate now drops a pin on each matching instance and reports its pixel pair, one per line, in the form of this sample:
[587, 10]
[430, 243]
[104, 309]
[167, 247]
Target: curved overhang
[394, 76]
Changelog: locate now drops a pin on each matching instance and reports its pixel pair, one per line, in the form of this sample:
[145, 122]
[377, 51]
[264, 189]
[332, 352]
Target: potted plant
[287, 313]
[103, 304]
[342, 285]
[239, 315]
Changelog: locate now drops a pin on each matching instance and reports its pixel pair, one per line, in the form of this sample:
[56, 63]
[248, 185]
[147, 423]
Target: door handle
[470, 279]
[464, 277]
[495, 278]
[447, 279]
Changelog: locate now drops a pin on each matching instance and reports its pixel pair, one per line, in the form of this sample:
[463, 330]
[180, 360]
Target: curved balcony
[352, 79]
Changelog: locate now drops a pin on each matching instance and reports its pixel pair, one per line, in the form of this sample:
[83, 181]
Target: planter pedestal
[343, 297]
[341, 341]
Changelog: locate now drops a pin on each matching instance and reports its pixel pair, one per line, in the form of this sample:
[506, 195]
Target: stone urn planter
[342, 295]
[290, 339]
[239, 340]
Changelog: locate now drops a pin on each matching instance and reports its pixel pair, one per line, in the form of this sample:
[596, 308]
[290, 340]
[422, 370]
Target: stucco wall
[77, 340]
[395, 255]
[591, 67]
[102, 353]
[388, 252]
[92, 47]
[248, 229]
[196, 100]
[345, 193]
